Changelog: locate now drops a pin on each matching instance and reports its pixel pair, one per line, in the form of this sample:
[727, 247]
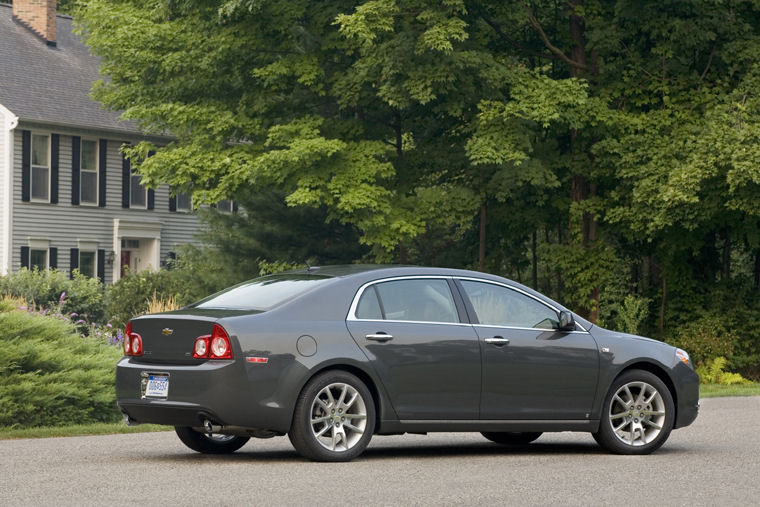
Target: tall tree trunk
[757, 268]
[662, 306]
[482, 249]
[533, 248]
[726, 271]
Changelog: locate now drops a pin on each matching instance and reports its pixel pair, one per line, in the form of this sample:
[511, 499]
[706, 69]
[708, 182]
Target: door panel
[539, 374]
[430, 371]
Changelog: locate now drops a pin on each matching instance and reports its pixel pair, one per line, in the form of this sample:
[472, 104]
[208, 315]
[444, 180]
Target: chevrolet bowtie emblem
[167, 331]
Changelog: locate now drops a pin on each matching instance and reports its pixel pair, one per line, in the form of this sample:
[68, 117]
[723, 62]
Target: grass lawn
[713, 390]
[78, 430]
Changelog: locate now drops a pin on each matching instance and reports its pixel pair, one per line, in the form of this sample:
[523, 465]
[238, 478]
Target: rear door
[531, 370]
[427, 358]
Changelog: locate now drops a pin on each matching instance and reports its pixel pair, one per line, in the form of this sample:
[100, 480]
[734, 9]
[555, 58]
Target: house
[68, 198]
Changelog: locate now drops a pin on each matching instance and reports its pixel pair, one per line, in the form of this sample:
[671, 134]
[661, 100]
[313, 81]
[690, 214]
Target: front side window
[38, 259]
[421, 300]
[89, 172]
[40, 167]
[496, 305]
[137, 192]
[87, 263]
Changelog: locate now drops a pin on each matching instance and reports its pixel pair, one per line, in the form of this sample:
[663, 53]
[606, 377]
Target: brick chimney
[38, 16]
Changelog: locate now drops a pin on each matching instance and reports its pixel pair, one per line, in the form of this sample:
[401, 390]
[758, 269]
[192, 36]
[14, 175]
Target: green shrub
[51, 375]
[54, 291]
[713, 372]
[705, 339]
[131, 295]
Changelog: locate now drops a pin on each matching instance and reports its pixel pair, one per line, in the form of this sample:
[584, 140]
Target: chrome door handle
[497, 340]
[379, 337]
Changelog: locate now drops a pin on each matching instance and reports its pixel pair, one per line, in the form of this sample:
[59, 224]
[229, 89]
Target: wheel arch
[364, 376]
[660, 373]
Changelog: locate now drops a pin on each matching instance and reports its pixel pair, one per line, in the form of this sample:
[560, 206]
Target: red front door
[125, 258]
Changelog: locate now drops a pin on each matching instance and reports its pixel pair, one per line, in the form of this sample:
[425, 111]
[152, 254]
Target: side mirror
[566, 321]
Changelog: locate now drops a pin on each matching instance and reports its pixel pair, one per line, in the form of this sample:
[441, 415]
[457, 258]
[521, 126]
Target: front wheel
[637, 415]
[334, 418]
[209, 443]
[511, 437]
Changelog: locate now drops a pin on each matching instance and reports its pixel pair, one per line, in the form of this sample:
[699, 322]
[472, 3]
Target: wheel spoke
[653, 425]
[328, 390]
[353, 428]
[346, 406]
[652, 412]
[642, 392]
[618, 416]
[342, 395]
[321, 403]
[356, 416]
[334, 436]
[320, 419]
[628, 392]
[322, 431]
[622, 425]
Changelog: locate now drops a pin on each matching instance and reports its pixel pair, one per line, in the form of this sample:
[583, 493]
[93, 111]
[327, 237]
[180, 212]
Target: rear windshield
[262, 293]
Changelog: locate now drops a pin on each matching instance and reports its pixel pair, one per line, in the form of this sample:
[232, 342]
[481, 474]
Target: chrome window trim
[352, 309]
[516, 289]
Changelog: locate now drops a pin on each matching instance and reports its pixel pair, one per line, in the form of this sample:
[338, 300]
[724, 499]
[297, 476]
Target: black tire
[216, 444]
[511, 437]
[349, 436]
[642, 427]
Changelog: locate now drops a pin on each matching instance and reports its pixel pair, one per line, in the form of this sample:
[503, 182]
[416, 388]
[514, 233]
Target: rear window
[262, 293]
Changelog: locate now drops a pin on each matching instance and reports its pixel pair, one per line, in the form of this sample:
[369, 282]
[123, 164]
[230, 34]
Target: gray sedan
[331, 356]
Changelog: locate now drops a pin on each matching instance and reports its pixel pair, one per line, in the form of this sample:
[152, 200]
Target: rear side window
[262, 293]
[423, 300]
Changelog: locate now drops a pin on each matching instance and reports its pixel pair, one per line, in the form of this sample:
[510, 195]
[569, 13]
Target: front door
[531, 370]
[427, 359]
[125, 261]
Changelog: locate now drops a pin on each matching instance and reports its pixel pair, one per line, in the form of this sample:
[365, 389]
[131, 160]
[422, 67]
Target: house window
[89, 172]
[87, 265]
[184, 202]
[225, 206]
[40, 167]
[38, 259]
[137, 192]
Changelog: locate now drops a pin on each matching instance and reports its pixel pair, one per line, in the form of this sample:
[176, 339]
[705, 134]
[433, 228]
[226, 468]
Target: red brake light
[132, 342]
[213, 346]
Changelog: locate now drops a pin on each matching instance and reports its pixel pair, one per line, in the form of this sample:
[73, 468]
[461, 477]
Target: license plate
[157, 386]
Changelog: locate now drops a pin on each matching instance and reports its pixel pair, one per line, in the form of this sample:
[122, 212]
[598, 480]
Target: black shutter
[103, 154]
[53, 258]
[126, 170]
[172, 202]
[76, 145]
[234, 207]
[151, 198]
[26, 168]
[73, 262]
[102, 265]
[55, 140]
[25, 257]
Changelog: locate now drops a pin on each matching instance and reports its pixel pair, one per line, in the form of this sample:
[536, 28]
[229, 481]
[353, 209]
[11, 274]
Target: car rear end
[180, 370]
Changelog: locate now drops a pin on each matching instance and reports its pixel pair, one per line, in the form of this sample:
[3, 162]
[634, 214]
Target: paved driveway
[716, 461]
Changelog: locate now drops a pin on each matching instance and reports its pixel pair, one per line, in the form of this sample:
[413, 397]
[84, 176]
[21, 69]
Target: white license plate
[157, 387]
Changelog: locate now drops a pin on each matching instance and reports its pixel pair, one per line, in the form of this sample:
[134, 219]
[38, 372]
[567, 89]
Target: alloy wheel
[338, 417]
[637, 413]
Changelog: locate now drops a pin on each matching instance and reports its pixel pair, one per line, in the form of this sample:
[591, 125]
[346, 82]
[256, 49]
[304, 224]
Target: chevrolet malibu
[331, 356]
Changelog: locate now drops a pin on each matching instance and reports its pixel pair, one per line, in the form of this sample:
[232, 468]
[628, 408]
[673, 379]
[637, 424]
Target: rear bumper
[223, 392]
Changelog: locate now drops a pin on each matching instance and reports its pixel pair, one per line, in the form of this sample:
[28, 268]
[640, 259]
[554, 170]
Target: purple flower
[109, 325]
[22, 307]
[74, 314]
[63, 297]
[80, 321]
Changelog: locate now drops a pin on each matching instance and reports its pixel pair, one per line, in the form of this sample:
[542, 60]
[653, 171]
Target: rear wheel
[209, 443]
[511, 437]
[637, 415]
[334, 418]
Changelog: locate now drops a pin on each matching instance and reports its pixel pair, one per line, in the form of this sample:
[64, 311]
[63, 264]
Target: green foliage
[631, 314]
[705, 338]
[131, 295]
[713, 372]
[54, 291]
[51, 375]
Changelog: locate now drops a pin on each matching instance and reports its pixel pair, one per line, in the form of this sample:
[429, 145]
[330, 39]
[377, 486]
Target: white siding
[65, 225]
[3, 168]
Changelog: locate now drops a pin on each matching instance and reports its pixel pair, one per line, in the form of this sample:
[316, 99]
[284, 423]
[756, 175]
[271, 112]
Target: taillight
[132, 342]
[213, 346]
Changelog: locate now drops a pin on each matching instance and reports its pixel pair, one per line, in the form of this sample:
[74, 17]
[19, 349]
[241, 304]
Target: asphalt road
[715, 461]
